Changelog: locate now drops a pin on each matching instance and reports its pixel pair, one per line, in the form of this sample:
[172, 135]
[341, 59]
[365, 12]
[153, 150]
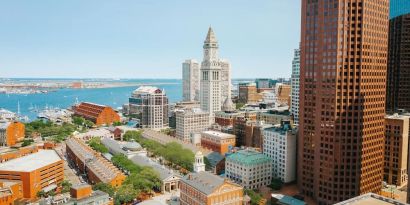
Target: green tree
[117, 124]
[66, 186]
[255, 197]
[96, 144]
[78, 120]
[51, 193]
[41, 194]
[276, 184]
[132, 135]
[27, 142]
[107, 188]
[124, 163]
[88, 123]
[125, 194]
[239, 105]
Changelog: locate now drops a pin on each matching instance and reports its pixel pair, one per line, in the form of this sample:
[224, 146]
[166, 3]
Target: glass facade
[399, 7]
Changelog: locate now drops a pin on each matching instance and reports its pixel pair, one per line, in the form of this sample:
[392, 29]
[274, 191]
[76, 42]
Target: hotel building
[152, 104]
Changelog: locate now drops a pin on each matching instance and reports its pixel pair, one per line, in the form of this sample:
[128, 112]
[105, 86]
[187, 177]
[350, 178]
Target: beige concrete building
[396, 149]
[190, 121]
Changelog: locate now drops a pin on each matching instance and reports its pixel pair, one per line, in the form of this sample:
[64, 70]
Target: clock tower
[211, 46]
[211, 69]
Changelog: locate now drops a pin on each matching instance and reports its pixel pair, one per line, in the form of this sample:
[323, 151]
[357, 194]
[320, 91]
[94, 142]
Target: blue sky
[144, 38]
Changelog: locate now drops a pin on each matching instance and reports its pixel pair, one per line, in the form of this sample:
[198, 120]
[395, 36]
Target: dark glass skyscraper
[398, 73]
[399, 7]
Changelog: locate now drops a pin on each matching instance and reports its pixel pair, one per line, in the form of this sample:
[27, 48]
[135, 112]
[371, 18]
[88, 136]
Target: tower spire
[210, 37]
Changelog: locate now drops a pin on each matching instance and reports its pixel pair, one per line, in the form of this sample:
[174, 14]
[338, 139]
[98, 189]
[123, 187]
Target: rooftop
[248, 157]
[4, 125]
[278, 128]
[220, 135]
[204, 182]
[146, 90]
[287, 199]
[214, 158]
[192, 111]
[397, 116]
[144, 161]
[104, 170]
[370, 198]
[31, 162]
[151, 202]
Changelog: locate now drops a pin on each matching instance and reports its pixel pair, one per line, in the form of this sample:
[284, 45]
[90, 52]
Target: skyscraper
[399, 7]
[214, 76]
[398, 73]
[190, 80]
[294, 106]
[342, 98]
[151, 103]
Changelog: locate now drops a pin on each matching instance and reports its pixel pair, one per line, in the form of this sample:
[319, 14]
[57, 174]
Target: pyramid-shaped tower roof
[210, 37]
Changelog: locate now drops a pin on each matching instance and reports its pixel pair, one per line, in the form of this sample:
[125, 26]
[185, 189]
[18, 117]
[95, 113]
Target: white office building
[294, 107]
[190, 80]
[279, 144]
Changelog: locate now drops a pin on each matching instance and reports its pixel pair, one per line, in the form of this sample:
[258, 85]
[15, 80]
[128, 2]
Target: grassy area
[172, 152]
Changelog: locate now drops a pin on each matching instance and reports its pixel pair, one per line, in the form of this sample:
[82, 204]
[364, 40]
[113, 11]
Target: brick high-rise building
[342, 104]
[398, 73]
[396, 149]
[248, 94]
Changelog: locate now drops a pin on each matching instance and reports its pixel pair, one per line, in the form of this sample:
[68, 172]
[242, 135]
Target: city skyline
[117, 41]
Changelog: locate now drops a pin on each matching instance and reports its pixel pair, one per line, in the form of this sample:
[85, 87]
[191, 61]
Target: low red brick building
[99, 114]
[90, 162]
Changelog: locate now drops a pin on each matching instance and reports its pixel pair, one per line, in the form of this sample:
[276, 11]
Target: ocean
[64, 98]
